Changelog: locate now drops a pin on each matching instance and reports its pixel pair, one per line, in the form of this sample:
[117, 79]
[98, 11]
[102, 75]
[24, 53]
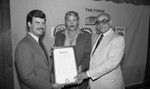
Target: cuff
[87, 73]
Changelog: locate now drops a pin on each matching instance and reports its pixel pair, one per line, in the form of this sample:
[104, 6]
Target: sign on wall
[121, 30]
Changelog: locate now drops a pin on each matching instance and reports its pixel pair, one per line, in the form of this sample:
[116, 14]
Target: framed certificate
[65, 68]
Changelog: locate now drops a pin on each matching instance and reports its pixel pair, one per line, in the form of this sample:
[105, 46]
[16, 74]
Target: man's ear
[110, 22]
[29, 24]
[78, 23]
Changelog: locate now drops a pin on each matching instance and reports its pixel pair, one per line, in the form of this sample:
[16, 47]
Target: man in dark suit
[72, 35]
[32, 61]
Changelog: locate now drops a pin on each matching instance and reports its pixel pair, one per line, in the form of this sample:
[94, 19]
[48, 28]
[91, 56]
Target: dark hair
[34, 13]
[69, 13]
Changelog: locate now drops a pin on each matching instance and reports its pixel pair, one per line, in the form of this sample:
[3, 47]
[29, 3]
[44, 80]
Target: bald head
[105, 15]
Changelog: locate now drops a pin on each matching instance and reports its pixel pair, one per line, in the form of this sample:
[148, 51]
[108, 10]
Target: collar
[78, 31]
[107, 32]
[35, 37]
[71, 41]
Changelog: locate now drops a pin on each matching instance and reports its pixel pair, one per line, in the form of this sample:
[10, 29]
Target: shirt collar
[35, 37]
[78, 31]
[68, 40]
[107, 32]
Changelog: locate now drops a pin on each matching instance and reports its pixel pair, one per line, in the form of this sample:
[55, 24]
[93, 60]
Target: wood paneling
[6, 60]
[1, 54]
[147, 73]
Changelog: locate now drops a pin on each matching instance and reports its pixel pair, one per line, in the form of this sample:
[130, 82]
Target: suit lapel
[95, 42]
[38, 47]
[43, 54]
[104, 41]
[79, 39]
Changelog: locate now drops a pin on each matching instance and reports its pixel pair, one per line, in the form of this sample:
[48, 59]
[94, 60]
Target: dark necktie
[42, 46]
[99, 40]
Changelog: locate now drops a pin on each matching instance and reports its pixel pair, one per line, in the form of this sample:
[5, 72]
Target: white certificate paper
[64, 65]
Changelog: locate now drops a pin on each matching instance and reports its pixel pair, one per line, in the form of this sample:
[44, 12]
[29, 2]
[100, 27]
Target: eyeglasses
[103, 22]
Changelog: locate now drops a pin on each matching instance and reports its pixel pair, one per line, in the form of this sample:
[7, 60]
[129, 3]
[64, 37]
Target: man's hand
[80, 77]
[79, 69]
[57, 86]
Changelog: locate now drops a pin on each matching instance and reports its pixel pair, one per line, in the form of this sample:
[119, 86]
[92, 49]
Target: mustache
[71, 26]
[40, 28]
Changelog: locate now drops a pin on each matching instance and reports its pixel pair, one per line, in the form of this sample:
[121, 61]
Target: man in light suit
[105, 71]
[32, 62]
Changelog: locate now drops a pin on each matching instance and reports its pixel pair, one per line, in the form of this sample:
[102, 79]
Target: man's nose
[42, 25]
[71, 23]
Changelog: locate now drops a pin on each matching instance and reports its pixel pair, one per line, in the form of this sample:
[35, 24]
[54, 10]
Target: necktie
[42, 46]
[99, 40]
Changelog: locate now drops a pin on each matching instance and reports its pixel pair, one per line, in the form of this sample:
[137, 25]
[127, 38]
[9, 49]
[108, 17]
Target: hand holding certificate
[64, 65]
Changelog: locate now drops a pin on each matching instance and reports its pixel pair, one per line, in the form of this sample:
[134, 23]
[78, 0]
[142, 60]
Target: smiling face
[71, 22]
[37, 27]
[103, 23]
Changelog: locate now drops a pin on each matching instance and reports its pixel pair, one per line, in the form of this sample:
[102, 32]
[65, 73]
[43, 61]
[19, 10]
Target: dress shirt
[35, 37]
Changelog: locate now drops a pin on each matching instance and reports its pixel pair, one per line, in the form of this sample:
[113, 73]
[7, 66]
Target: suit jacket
[32, 65]
[105, 71]
[82, 47]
